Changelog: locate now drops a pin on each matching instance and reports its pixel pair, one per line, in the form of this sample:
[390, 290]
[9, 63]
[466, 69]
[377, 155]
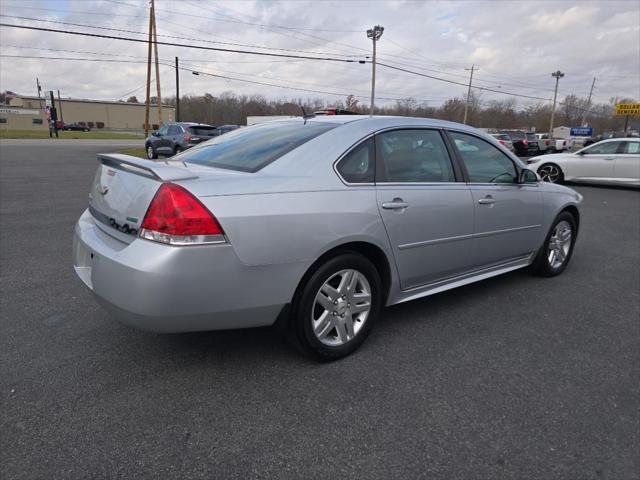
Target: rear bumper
[163, 288]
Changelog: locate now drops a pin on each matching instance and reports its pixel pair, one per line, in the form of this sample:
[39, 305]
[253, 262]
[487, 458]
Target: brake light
[501, 142]
[546, 142]
[188, 138]
[525, 142]
[176, 217]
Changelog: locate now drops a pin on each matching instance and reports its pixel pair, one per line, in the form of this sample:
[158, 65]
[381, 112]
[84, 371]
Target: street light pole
[177, 92]
[557, 75]
[374, 34]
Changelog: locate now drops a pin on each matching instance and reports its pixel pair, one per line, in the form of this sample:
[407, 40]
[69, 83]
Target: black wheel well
[573, 210]
[370, 251]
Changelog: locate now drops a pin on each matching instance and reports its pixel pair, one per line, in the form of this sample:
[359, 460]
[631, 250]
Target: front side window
[413, 156]
[252, 148]
[632, 147]
[606, 148]
[357, 166]
[484, 162]
[163, 131]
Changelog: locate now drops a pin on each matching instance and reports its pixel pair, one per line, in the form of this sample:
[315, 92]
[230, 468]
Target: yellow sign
[628, 109]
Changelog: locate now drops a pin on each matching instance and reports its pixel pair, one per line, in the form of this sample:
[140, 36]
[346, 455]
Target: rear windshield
[502, 137]
[250, 149]
[203, 130]
[532, 137]
[516, 135]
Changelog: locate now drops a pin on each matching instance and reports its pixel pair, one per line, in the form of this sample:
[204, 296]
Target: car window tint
[174, 130]
[484, 162]
[632, 147]
[203, 130]
[358, 165]
[414, 156]
[252, 148]
[163, 130]
[604, 148]
[516, 135]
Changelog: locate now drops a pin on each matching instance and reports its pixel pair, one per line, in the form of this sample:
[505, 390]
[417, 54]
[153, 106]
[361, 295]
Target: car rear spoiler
[164, 171]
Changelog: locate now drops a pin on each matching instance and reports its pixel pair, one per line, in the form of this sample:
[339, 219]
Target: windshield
[250, 149]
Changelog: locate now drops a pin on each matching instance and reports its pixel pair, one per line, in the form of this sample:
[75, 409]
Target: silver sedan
[316, 223]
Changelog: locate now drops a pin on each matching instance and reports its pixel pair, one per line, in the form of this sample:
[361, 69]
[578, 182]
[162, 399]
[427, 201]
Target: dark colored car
[524, 143]
[173, 138]
[335, 111]
[75, 127]
[227, 128]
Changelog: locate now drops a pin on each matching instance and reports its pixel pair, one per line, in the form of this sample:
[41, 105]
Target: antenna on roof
[306, 115]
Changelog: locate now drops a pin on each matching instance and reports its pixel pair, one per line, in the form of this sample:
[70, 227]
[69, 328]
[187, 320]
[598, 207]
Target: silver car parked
[317, 223]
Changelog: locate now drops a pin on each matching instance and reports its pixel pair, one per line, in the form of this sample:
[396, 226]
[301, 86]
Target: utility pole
[584, 115]
[466, 105]
[155, 48]
[148, 101]
[60, 107]
[557, 75]
[177, 91]
[54, 114]
[39, 91]
[374, 34]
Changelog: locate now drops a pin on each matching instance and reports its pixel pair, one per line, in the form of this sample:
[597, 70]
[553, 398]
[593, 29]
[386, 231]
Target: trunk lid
[123, 188]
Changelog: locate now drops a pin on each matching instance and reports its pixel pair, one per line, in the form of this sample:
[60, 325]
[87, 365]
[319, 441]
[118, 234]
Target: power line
[172, 44]
[122, 30]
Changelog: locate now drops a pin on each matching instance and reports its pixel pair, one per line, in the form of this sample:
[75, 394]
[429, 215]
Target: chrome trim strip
[437, 241]
[434, 242]
[506, 230]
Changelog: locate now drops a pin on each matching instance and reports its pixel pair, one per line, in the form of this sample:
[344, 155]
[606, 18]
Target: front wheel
[151, 153]
[555, 254]
[550, 172]
[337, 306]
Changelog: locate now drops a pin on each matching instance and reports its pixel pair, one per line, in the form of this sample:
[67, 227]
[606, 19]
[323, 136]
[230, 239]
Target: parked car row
[173, 138]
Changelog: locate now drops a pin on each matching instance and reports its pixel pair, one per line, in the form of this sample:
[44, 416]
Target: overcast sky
[515, 44]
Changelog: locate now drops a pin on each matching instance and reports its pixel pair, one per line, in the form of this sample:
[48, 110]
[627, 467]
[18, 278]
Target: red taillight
[501, 142]
[188, 138]
[525, 142]
[176, 217]
[546, 142]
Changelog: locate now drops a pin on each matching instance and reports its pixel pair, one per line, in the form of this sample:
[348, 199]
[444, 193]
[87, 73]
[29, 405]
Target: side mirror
[528, 176]
[155, 134]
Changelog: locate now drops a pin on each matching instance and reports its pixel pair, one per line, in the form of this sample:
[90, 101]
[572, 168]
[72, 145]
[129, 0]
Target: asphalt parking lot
[515, 377]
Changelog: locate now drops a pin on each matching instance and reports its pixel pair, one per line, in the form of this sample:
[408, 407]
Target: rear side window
[357, 166]
[484, 162]
[252, 148]
[413, 156]
[203, 130]
[174, 130]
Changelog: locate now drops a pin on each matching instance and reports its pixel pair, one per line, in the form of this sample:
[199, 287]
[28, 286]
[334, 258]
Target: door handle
[397, 204]
[609, 158]
[488, 200]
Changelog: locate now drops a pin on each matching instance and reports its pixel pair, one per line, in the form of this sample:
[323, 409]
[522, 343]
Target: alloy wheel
[150, 152]
[559, 244]
[341, 307]
[550, 173]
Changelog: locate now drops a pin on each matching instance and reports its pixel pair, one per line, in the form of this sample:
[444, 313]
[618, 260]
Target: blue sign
[582, 132]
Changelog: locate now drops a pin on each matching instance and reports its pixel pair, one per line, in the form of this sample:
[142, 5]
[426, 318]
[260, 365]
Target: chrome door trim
[435, 241]
[506, 230]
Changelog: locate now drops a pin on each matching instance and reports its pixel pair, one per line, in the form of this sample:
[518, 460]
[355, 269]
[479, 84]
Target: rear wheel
[337, 306]
[151, 152]
[550, 172]
[555, 254]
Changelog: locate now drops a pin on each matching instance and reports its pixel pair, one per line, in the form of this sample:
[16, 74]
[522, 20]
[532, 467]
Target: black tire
[542, 265]
[151, 152]
[304, 303]
[550, 172]
[85, 129]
